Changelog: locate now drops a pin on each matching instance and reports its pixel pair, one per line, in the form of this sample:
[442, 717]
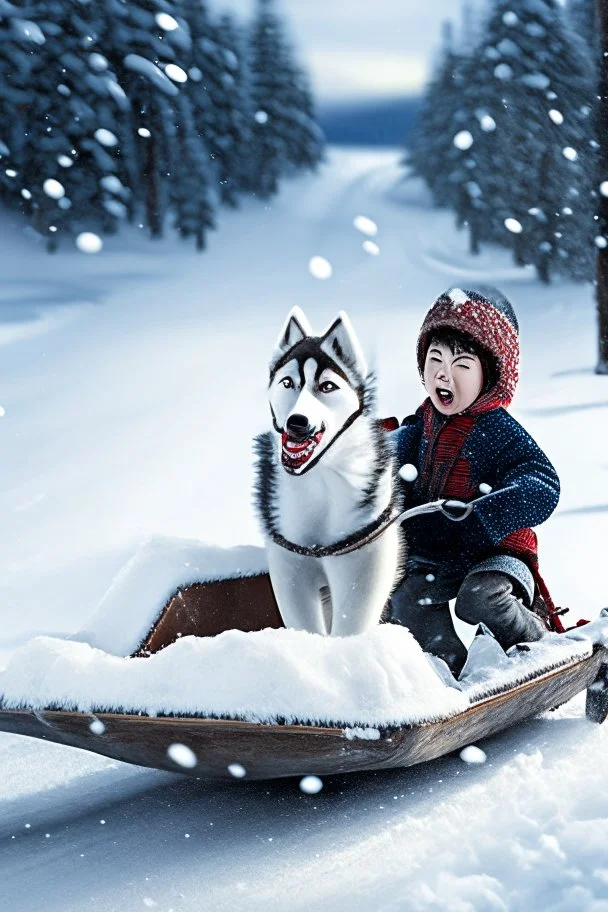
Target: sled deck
[271, 750]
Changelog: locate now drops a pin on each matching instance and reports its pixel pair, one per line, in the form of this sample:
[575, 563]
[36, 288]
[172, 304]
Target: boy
[462, 444]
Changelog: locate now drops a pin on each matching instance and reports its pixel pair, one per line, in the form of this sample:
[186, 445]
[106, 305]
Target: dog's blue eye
[287, 382]
[328, 387]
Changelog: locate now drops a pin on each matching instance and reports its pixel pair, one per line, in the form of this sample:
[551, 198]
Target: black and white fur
[325, 473]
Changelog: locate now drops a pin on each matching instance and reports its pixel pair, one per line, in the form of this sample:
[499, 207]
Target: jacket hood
[488, 317]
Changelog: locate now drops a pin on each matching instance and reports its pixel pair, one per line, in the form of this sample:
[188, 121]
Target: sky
[363, 49]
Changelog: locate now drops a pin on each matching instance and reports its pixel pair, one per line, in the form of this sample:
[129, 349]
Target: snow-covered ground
[132, 383]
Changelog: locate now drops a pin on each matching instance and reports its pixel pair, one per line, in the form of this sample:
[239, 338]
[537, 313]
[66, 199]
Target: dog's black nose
[298, 427]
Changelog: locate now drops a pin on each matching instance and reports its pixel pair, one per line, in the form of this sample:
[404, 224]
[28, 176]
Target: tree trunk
[544, 250]
[474, 232]
[153, 189]
[602, 136]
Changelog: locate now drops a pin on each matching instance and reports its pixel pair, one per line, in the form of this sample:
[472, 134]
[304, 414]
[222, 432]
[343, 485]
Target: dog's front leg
[297, 582]
[361, 584]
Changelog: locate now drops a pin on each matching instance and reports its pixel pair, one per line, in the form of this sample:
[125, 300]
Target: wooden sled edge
[274, 751]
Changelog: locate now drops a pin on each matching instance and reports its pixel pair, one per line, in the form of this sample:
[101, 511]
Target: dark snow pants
[421, 604]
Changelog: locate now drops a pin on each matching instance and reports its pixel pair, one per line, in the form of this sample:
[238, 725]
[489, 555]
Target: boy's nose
[443, 374]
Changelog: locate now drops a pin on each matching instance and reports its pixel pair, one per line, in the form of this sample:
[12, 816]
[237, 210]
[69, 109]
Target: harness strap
[366, 535]
[345, 545]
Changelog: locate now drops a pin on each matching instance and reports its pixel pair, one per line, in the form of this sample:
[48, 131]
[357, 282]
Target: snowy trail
[251, 845]
[129, 413]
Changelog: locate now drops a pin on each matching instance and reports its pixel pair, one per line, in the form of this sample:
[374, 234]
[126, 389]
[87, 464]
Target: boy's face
[452, 380]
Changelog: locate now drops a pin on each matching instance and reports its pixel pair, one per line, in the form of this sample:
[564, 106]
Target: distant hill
[380, 123]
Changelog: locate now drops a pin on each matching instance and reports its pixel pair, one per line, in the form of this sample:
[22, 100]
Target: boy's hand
[456, 510]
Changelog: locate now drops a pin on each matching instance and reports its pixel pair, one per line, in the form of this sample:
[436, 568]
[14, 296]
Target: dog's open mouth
[445, 396]
[295, 453]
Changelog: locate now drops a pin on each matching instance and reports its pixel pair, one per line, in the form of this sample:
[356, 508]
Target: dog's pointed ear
[295, 329]
[341, 343]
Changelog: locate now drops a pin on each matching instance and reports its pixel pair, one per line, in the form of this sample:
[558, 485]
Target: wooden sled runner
[272, 751]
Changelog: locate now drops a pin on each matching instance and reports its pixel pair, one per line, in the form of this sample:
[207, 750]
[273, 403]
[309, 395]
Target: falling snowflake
[182, 755]
[166, 22]
[175, 72]
[365, 225]
[408, 472]
[512, 225]
[53, 188]
[88, 242]
[463, 140]
[106, 137]
[311, 785]
[472, 754]
[320, 268]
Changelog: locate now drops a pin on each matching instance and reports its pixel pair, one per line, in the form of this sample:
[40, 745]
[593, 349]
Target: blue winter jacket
[497, 452]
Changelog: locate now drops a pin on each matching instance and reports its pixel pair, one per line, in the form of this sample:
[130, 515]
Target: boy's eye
[327, 387]
[287, 382]
[436, 360]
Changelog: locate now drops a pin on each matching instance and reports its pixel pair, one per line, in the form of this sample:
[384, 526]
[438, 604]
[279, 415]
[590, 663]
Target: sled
[272, 750]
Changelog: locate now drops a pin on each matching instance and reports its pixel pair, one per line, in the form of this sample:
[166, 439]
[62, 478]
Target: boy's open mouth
[445, 396]
[295, 453]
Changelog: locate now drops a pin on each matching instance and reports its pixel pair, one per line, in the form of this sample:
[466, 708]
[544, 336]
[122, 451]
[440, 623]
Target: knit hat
[488, 317]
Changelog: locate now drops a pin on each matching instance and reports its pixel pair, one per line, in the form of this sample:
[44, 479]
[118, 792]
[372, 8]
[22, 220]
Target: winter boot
[487, 597]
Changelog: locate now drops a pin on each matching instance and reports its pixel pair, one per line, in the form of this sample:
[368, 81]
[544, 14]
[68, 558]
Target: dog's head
[317, 388]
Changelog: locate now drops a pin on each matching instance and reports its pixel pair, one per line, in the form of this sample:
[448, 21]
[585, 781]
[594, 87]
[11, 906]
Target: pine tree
[439, 121]
[235, 117]
[194, 209]
[146, 44]
[65, 122]
[582, 16]
[217, 92]
[114, 106]
[528, 120]
[267, 55]
[305, 140]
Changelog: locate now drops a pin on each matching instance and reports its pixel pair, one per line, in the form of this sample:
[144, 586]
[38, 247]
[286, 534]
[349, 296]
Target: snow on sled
[213, 685]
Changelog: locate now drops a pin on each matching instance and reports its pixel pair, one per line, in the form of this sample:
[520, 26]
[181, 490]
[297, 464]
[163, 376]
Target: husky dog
[325, 481]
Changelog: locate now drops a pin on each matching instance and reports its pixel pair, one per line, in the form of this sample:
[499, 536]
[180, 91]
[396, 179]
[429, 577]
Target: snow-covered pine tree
[216, 90]
[17, 58]
[235, 117]
[533, 165]
[190, 186]
[269, 84]
[146, 42]
[582, 17]
[439, 121]
[64, 118]
[305, 140]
